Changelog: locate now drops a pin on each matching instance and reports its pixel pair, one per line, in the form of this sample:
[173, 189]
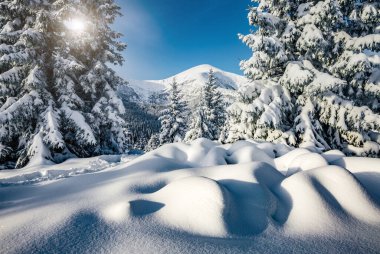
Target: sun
[75, 25]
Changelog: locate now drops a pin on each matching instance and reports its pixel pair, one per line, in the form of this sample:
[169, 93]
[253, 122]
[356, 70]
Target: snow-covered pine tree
[141, 124]
[173, 122]
[215, 108]
[96, 82]
[209, 116]
[260, 112]
[24, 93]
[199, 125]
[57, 93]
[153, 143]
[325, 54]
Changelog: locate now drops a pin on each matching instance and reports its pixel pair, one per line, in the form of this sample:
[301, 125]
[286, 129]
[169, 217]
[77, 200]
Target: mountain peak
[204, 67]
[199, 69]
[190, 81]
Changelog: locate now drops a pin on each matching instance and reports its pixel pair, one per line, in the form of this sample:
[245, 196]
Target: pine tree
[173, 123]
[57, 93]
[209, 116]
[214, 106]
[322, 53]
[153, 143]
[198, 127]
[24, 93]
[141, 123]
[259, 113]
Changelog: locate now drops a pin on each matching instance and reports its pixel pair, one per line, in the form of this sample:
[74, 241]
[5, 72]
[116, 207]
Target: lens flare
[75, 25]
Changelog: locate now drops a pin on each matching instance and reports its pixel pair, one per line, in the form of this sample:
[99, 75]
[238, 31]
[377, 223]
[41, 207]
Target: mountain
[144, 99]
[191, 81]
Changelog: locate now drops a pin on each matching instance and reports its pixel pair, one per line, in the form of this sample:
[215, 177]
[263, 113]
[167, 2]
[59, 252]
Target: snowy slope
[200, 198]
[71, 167]
[191, 81]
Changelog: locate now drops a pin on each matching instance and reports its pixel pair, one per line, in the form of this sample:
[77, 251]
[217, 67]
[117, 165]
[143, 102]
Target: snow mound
[323, 199]
[194, 204]
[235, 198]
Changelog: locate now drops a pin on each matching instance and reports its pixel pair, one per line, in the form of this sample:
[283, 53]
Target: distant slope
[191, 81]
[145, 99]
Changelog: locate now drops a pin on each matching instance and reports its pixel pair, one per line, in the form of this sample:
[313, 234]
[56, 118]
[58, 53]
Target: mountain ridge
[190, 82]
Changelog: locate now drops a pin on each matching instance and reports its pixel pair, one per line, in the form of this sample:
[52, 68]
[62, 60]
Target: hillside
[191, 81]
[144, 99]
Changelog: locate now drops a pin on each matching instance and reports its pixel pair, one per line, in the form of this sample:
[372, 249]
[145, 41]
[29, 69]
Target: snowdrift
[200, 198]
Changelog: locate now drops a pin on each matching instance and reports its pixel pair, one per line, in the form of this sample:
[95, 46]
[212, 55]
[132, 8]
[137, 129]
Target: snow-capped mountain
[190, 81]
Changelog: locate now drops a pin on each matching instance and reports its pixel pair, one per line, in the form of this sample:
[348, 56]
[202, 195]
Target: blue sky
[165, 37]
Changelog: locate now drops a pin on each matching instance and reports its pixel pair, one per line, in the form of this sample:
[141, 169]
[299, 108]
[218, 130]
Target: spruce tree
[214, 106]
[57, 93]
[209, 116]
[259, 113]
[323, 53]
[153, 143]
[173, 122]
[24, 92]
[199, 126]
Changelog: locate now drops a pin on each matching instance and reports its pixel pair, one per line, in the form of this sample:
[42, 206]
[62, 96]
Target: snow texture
[197, 198]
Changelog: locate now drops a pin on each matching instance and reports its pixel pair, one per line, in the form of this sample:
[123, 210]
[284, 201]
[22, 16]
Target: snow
[311, 37]
[201, 197]
[260, 105]
[303, 9]
[38, 152]
[6, 114]
[324, 82]
[43, 170]
[296, 76]
[191, 81]
[179, 199]
[53, 136]
[11, 75]
[370, 41]
[373, 57]
[86, 132]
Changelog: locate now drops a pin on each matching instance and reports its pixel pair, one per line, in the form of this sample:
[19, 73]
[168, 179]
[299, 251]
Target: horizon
[213, 67]
[162, 43]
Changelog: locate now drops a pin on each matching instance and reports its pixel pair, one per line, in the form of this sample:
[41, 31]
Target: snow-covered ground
[199, 198]
[50, 171]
